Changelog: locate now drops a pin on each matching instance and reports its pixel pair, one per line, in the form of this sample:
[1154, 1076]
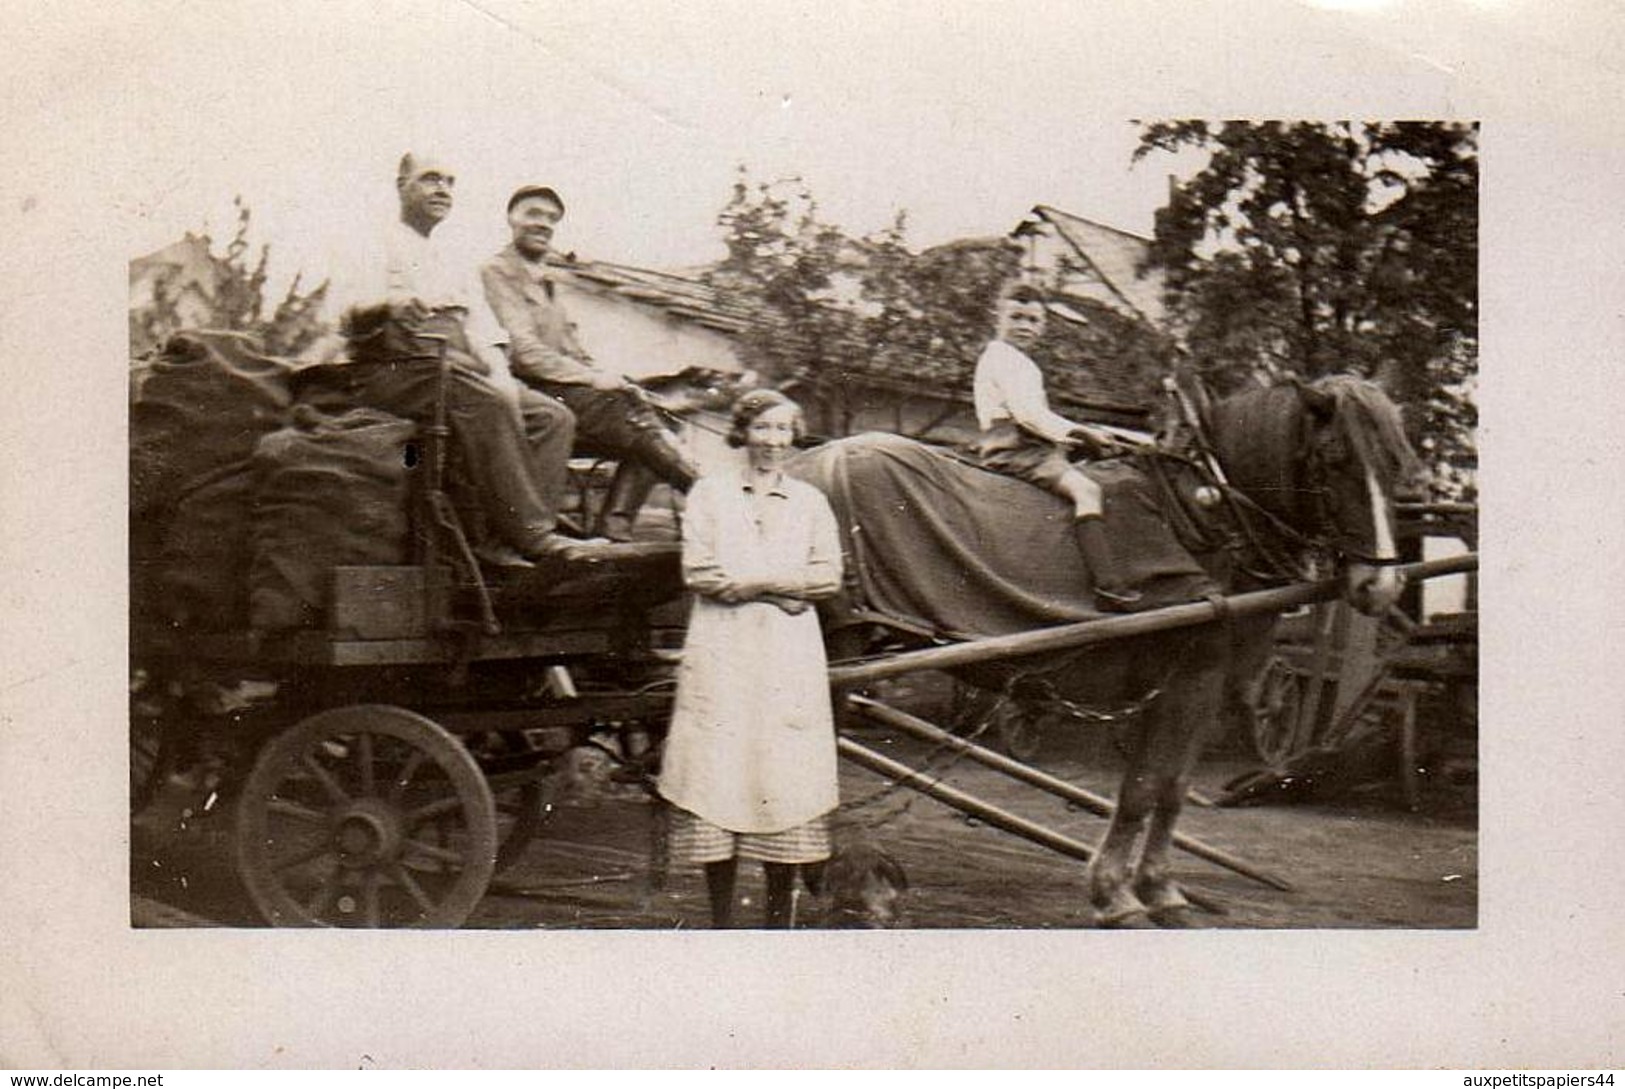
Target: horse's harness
[1293, 553]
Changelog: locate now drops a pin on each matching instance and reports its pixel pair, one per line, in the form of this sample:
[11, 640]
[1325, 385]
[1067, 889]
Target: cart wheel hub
[367, 832]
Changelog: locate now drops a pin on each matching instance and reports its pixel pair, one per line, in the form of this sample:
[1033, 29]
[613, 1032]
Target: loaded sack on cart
[380, 716]
[261, 501]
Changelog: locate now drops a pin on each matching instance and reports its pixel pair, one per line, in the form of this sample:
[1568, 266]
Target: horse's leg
[1109, 876]
[1112, 901]
[1189, 714]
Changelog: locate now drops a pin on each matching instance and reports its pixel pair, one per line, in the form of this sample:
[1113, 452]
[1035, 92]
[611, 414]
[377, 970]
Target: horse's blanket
[934, 540]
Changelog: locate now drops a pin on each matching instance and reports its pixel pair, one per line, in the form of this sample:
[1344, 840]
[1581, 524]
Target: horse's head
[1326, 459]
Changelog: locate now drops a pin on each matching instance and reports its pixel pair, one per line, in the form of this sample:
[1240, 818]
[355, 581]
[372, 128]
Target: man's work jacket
[542, 344]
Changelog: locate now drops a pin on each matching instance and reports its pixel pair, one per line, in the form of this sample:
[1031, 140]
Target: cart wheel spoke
[403, 877]
[329, 784]
[369, 899]
[441, 807]
[430, 850]
[364, 757]
[284, 807]
[309, 854]
[404, 777]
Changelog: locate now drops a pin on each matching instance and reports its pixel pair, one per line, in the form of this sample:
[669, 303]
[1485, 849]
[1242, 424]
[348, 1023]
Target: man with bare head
[397, 310]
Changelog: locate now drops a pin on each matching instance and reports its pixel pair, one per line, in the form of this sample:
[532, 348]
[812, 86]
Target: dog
[863, 887]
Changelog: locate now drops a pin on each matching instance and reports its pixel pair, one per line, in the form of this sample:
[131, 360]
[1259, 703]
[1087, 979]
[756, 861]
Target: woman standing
[749, 763]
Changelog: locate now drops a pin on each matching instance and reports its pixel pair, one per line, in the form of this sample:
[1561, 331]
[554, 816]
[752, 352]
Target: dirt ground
[1358, 859]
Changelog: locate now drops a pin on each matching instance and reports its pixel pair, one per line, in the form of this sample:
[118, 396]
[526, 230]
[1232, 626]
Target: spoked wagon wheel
[366, 816]
[1275, 713]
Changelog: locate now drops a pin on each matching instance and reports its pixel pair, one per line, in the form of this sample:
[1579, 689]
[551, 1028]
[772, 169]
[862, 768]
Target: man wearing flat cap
[404, 291]
[612, 417]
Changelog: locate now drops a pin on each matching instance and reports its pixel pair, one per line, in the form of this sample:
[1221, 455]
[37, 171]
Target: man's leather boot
[628, 489]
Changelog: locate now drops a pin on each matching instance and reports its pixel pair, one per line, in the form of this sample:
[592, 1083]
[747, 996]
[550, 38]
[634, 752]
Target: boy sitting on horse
[1021, 436]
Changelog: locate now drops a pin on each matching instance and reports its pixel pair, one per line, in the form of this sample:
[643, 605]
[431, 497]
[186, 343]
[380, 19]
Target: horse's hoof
[1175, 917]
[1135, 918]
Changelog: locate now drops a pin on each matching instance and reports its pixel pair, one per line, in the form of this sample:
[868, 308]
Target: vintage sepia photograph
[994, 493]
[542, 593]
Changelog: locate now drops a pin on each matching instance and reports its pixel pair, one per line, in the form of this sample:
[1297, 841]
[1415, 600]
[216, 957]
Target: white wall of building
[642, 340]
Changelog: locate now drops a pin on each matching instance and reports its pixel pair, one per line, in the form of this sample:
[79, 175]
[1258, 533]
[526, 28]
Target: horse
[1267, 486]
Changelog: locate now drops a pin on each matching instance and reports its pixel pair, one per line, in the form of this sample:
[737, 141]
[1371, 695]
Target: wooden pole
[1108, 629]
[1094, 803]
[1003, 819]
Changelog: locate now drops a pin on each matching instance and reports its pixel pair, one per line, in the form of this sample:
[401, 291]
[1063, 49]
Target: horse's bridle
[1246, 511]
[1326, 539]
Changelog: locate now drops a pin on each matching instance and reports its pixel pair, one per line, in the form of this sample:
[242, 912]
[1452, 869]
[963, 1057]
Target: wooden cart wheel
[367, 816]
[1275, 712]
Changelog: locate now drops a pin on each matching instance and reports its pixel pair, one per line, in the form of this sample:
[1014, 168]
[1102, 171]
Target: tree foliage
[1316, 248]
[834, 314]
[231, 295]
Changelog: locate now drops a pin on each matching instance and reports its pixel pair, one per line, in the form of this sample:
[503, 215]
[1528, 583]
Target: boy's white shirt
[1009, 386]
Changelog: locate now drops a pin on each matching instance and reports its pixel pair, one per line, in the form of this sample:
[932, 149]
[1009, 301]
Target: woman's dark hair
[752, 405]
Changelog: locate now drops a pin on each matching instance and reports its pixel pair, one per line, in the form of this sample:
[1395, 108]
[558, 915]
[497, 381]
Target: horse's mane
[1259, 434]
[1374, 428]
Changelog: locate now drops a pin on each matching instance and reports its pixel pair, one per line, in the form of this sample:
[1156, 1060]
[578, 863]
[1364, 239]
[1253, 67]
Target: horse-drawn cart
[385, 756]
[1338, 681]
[384, 769]
[383, 749]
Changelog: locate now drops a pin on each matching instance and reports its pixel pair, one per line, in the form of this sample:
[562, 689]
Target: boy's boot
[1112, 593]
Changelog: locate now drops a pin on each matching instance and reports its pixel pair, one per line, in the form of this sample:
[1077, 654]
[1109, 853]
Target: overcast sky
[964, 114]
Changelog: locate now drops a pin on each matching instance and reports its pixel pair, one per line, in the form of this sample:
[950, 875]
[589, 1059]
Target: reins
[1247, 513]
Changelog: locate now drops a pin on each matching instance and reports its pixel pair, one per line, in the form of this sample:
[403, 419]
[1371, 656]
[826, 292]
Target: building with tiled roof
[181, 278]
[1091, 260]
[1106, 313]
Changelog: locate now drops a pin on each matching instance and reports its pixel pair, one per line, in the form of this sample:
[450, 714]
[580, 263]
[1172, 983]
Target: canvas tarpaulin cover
[936, 541]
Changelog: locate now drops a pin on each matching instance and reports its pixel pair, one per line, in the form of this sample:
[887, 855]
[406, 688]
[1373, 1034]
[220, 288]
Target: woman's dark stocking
[781, 884]
[719, 881]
